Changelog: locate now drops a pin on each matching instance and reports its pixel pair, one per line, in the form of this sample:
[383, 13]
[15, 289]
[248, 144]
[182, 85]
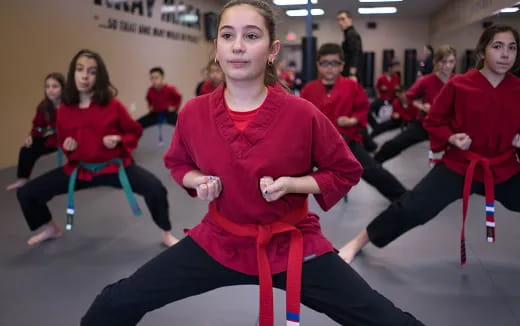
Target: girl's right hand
[460, 140]
[208, 187]
[70, 144]
[28, 142]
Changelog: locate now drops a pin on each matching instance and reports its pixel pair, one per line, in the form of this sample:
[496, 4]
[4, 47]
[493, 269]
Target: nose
[505, 52]
[238, 45]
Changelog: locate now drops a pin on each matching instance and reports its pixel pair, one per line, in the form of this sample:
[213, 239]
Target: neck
[56, 102]
[329, 81]
[159, 86]
[84, 100]
[245, 96]
[493, 78]
[442, 76]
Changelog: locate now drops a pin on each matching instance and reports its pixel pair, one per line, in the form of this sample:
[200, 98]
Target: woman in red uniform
[42, 139]
[256, 170]
[215, 78]
[421, 95]
[98, 136]
[476, 121]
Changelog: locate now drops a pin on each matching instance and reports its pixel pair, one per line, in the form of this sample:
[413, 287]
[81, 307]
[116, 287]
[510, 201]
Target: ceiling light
[304, 12]
[509, 10]
[380, 0]
[292, 2]
[377, 10]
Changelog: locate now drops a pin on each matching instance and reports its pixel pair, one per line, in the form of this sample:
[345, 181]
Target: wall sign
[174, 12]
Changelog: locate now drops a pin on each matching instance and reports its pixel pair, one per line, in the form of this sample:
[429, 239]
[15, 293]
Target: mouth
[238, 63]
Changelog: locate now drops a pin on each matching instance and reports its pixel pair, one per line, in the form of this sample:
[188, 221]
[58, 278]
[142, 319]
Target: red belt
[489, 188]
[263, 235]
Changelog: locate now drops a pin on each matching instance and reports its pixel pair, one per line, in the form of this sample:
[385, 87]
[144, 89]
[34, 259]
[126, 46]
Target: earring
[216, 60]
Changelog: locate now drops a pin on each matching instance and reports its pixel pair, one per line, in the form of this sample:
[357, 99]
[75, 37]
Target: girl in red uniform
[421, 95]
[256, 170]
[42, 139]
[215, 78]
[476, 120]
[98, 136]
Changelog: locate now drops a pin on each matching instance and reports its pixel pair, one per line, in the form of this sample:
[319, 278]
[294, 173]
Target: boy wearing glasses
[346, 104]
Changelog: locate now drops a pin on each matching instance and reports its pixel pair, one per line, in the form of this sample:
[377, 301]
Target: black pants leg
[413, 134]
[29, 155]
[433, 193]
[34, 196]
[148, 120]
[332, 287]
[328, 284]
[507, 193]
[386, 126]
[147, 185]
[171, 118]
[377, 176]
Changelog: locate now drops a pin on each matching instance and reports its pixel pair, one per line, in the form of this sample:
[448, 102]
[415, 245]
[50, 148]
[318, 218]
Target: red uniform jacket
[42, 122]
[490, 116]
[347, 98]
[426, 88]
[160, 100]
[391, 86]
[288, 137]
[88, 127]
[405, 113]
[207, 87]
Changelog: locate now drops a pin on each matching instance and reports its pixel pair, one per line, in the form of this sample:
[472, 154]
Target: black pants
[152, 118]
[29, 155]
[377, 176]
[329, 285]
[437, 189]
[413, 134]
[33, 197]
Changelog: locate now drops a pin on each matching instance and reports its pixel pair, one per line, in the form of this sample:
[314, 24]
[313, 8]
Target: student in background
[215, 77]
[42, 139]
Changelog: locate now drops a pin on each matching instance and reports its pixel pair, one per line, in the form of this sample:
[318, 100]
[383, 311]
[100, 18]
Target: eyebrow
[500, 42]
[246, 27]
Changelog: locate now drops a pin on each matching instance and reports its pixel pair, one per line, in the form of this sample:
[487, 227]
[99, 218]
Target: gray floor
[54, 283]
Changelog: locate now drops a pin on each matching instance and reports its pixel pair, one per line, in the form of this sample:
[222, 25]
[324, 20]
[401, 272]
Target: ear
[275, 49]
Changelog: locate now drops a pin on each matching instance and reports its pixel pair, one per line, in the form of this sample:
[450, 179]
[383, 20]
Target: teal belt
[96, 167]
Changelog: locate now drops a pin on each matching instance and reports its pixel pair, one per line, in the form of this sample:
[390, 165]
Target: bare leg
[51, 230]
[20, 182]
[168, 239]
[352, 248]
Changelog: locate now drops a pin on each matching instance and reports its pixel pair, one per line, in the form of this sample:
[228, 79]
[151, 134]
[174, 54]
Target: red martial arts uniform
[161, 99]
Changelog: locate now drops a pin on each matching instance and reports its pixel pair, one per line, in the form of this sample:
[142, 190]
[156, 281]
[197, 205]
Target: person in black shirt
[426, 64]
[352, 46]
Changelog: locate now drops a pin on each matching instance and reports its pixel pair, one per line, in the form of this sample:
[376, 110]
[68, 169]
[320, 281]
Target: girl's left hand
[273, 190]
[111, 141]
[516, 141]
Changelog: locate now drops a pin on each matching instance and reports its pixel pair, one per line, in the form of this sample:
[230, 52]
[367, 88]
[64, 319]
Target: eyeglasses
[333, 64]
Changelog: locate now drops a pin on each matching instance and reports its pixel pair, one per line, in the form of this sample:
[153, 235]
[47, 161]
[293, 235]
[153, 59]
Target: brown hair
[103, 90]
[46, 106]
[487, 37]
[442, 52]
[266, 11]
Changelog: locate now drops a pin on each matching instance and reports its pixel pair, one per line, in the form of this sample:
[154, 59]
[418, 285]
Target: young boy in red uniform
[163, 101]
[345, 103]
[476, 121]
[256, 170]
[42, 139]
[98, 137]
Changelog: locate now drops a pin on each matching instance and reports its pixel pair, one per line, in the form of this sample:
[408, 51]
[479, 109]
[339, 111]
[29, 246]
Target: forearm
[189, 179]
[303, 185]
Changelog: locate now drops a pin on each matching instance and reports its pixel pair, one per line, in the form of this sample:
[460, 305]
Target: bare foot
[17, 184]
[351, 249]
[51, 230]
[168, 239]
